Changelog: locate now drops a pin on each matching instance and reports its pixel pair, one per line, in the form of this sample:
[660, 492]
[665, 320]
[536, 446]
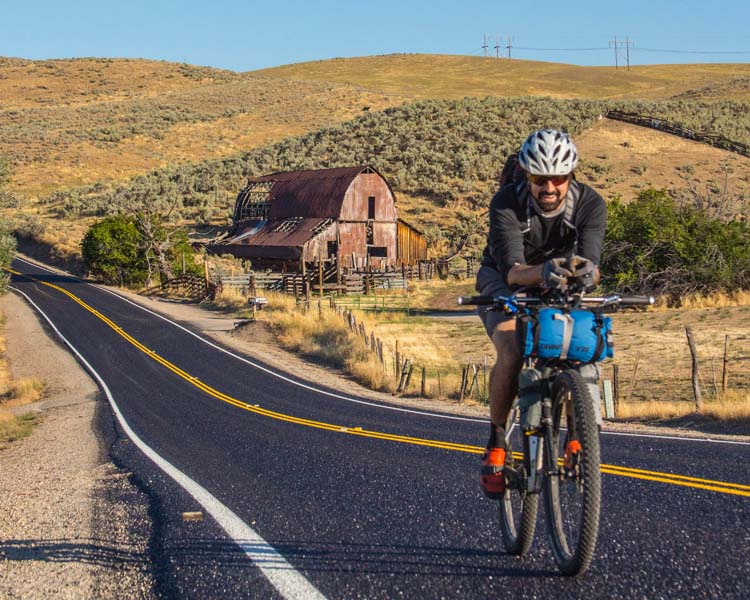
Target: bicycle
[554, 398]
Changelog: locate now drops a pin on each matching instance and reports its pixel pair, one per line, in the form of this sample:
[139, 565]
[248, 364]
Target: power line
[561, 49]
[693, 51]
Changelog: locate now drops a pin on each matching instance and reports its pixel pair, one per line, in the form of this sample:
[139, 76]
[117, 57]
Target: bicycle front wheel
[518, 508]
[572, 487]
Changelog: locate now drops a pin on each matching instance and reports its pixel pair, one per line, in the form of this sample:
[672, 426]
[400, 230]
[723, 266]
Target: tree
[656, 245]
[7, 250]
[112, 250]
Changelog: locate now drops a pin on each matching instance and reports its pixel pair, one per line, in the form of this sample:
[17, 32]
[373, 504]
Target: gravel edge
[72, 525]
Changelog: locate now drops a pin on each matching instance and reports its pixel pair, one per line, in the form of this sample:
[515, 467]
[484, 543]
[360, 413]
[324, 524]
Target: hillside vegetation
[441, 156]
[66, 123]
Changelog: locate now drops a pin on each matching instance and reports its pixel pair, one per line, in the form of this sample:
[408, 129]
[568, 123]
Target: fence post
[694, 355]
[320, 275]
[423, 391]
[725, 370]
[616, 385]
[632, 377]
[410, 370]
[609, 408]
[464, 374]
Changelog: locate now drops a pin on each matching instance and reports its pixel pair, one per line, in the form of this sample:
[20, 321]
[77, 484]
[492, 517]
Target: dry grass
[14, 394]
[734, 405]
[654, 340]
[715, 300]
[631, 158]
[323, 336]
[444, 76]
[71, 122]
[14, 427]
[23, 391]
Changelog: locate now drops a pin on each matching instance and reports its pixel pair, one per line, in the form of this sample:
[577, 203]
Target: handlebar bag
[577, 335]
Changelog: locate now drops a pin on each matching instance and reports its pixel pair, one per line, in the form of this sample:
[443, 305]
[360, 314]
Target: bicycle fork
[534, 441]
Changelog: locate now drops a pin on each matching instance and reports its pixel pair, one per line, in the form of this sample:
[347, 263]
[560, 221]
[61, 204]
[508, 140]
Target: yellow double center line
[681, 480]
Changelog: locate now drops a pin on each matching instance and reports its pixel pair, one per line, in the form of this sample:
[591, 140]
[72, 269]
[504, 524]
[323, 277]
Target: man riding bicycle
[546, 231]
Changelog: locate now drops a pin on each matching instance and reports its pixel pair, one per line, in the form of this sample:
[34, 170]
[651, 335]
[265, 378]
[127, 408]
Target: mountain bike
[552, 433]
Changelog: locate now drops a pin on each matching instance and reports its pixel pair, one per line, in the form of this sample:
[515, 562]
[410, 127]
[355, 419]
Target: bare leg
[504, 375]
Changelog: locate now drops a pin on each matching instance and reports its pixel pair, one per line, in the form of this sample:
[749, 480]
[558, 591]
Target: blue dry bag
[578, 335]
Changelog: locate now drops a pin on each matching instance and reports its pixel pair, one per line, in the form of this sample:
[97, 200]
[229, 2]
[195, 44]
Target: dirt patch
[623, 159]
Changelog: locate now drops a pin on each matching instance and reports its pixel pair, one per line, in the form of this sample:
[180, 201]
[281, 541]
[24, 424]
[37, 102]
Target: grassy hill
[67, 123]
[86, 136]
[446, 76]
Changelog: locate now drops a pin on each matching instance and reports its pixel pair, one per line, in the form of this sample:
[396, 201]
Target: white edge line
[364, 402]
[266, 370]
[289, 582]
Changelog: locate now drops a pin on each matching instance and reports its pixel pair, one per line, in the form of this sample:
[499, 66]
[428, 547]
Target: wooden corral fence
[324, 279]
[187, 286]
[718, 141]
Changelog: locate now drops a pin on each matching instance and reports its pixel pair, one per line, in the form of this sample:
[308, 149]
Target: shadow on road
[89, 551]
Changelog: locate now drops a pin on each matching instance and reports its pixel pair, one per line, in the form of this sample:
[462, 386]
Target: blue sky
[255, 34]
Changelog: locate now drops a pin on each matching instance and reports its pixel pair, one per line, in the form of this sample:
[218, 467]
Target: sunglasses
[541, 180]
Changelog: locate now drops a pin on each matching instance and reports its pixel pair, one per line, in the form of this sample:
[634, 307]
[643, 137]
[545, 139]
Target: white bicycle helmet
[548, 152]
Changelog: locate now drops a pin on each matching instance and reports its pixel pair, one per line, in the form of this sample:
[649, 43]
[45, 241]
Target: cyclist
[545, 230]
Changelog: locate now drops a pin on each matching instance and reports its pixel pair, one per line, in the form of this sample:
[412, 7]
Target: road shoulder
[72, 524]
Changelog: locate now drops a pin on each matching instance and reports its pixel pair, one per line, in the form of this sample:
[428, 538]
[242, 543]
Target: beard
[549, 201]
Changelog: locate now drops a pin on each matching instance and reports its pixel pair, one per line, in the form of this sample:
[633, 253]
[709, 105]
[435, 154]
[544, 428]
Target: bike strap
[568, 323]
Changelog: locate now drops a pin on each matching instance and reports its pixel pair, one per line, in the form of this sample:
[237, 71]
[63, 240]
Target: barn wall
[354, 207]
[412, 245]
[313, 249]
[352, 238]
[384, 234]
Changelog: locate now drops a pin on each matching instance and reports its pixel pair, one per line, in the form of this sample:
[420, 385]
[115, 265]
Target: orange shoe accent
[571, 448]
[492, 478]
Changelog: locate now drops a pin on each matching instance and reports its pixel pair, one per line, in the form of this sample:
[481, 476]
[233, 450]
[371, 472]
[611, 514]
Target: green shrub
[111, 251]
[655, 245]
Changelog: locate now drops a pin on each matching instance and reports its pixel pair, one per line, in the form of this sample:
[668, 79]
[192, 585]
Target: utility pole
[611, 45]
[497, 46]
[484, 46]
[628, 44]
[509, 46]
[618, 46]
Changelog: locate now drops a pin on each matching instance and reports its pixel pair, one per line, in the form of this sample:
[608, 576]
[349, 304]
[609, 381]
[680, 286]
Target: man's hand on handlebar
[583, 272]
[555, 274]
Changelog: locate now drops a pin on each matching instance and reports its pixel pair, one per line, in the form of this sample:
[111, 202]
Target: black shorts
[491, 283]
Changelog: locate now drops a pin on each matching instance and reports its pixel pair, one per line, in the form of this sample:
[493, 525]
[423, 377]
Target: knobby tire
[518, 509]
[573, 504]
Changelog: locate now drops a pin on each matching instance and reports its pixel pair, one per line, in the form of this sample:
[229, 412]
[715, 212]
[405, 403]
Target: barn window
[378, 251]
[255, 201]
[322, 226]
[288, 224]
[371, 207]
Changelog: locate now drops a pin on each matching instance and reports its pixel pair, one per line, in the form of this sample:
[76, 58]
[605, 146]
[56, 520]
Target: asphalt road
[389, 510]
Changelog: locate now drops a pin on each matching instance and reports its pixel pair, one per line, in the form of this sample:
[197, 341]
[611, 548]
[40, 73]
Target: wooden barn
[347, 215]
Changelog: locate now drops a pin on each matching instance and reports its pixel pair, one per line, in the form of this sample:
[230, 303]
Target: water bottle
[530, 398]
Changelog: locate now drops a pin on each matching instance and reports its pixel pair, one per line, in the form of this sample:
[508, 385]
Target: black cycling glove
[583, 271]
[555, 274]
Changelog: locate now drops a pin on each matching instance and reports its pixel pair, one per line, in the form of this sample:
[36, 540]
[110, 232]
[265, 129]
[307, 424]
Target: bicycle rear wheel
[518, 509]
[572, 488]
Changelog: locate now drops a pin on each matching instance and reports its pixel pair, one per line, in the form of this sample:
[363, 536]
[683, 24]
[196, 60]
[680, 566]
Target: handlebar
[502, 301]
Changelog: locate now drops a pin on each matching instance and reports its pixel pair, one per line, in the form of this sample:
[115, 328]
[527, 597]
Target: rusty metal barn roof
[313, 193]
[289, 233]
